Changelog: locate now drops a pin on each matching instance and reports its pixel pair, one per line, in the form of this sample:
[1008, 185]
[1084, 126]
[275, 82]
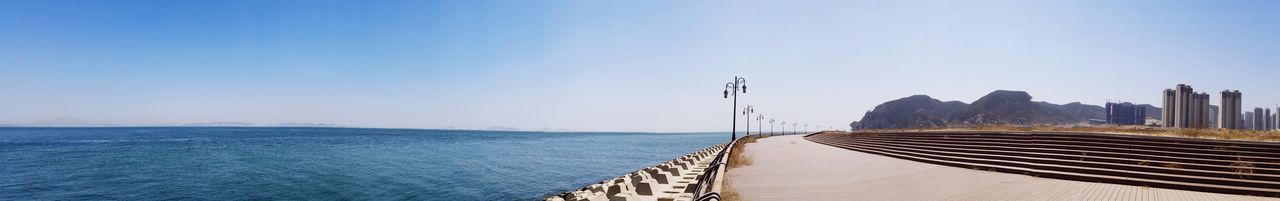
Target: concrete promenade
[792, 168]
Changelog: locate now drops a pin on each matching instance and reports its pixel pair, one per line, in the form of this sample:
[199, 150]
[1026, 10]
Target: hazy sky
[607, 65]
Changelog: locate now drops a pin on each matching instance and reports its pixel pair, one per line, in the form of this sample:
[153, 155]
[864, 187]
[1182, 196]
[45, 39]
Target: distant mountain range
[997, 108]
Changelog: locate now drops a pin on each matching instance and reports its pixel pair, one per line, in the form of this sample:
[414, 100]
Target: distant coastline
[348, 127]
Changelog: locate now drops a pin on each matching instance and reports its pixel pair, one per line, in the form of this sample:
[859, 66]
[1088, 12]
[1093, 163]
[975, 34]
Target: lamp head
[726, 93]
[744, 88]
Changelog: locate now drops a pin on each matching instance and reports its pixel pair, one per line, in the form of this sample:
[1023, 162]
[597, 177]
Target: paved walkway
[792, 168]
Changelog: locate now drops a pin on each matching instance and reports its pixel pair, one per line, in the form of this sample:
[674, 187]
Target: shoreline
[675, 179]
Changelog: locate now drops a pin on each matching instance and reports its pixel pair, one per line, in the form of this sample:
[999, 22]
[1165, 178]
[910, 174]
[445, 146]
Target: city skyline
[607, 66]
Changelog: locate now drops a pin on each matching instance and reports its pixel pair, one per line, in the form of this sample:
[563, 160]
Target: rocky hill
[1080, 112]
[1155, 112]
[918, 111]
[998, 107]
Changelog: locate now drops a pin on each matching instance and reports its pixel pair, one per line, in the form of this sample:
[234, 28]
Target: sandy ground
[792, 168]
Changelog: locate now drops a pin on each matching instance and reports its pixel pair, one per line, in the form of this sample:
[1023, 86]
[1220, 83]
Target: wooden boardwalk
[792, 168]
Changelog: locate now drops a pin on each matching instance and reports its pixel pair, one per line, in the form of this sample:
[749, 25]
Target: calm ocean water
[178, 163]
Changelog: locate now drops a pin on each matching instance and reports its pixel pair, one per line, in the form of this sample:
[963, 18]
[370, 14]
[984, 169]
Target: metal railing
[705, 190]
[706, 181]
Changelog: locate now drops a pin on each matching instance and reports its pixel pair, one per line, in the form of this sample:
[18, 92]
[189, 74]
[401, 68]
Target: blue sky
[606, 65]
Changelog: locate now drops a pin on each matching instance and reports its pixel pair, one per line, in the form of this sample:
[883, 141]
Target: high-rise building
[1272, 123]
[1166, 110]
[1248, 120]
[1213, 116]
[1183, 108]
[1266, 120]
[1241, 121]
[1259, 121]
[1230, 110]
[1202, 115]
[1125, 114]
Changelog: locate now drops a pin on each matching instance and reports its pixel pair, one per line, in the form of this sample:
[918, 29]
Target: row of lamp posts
[739, 84]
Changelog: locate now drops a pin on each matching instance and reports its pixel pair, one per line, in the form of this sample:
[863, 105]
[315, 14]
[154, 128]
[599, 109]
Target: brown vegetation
[1228, 134]
[1242, 167]
[737, 159]
[727, 192]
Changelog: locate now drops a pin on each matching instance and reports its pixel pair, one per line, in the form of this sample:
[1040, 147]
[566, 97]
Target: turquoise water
[217, 163]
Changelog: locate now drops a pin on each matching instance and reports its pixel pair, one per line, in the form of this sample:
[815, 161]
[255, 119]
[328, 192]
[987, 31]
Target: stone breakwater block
[670, 180]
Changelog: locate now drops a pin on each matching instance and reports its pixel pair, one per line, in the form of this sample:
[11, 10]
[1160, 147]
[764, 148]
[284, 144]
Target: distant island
[74, 122]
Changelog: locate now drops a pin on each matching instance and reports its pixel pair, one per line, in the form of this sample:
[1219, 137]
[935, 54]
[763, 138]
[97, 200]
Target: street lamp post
[793, 127]
[759, 124]
[738, 84]
[747, 112]
[784, 127]
[771, 127]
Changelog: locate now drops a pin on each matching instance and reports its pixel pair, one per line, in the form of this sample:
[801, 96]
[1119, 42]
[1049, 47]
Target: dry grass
[727, 193]
[736, 156]
[1242, 167]
[1131, 130]
[1226, 148]
[1228, 134]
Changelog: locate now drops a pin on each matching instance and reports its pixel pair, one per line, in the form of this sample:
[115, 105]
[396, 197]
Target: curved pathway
[792, 168]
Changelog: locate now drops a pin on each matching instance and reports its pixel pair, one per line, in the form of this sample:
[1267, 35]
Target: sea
[277, 163]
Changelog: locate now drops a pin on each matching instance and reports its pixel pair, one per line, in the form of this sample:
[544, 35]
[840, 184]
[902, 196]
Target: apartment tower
[1185, 108]
[1230, 110]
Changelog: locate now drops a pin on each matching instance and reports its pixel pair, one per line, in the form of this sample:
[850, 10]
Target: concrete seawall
[667, 181]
